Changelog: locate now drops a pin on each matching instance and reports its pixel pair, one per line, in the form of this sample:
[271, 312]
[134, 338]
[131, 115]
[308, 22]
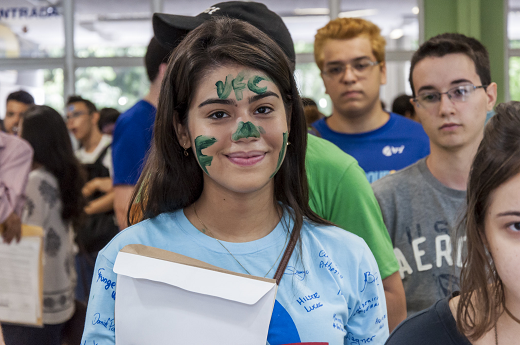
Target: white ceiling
[124, 23]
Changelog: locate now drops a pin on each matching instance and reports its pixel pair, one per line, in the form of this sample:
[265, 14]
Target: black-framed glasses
[360, 68]
[459, 93]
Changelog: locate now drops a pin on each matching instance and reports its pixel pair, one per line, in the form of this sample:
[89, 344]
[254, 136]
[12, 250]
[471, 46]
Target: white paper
[204, 281]
[160, 302]
[19, 281]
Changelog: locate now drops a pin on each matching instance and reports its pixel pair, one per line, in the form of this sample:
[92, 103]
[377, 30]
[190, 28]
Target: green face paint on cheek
[203, 142]
[246, 130]
[282, 153]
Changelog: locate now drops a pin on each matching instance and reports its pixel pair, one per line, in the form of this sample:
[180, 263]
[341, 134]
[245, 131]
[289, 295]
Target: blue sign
[26, 12]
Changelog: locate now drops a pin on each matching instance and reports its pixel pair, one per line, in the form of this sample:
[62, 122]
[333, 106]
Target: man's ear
[491, 91]
[382, 67]
[162, 71]
[95, 118]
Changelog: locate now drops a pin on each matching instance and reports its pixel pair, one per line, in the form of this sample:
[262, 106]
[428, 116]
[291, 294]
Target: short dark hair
[482, 65]
[21, 96]
[76, 99]
[402, 104]
[154, 57]
[107, 116]
[450, 43]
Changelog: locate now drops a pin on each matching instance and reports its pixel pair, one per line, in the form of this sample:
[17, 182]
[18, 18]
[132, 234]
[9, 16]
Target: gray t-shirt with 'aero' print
[421, 215]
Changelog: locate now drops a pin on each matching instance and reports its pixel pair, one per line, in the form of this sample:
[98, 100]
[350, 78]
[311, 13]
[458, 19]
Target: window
[30, 31]
[114, 87]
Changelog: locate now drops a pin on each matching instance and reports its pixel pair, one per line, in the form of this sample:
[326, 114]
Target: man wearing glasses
[350, 53]
[96, 157]
[451, 82]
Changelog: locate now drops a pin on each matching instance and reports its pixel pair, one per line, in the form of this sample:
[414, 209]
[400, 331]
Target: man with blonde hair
[350, 53]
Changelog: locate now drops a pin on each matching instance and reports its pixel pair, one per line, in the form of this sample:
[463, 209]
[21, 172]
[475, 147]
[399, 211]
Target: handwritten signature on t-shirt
[370, 278]
[300, 275]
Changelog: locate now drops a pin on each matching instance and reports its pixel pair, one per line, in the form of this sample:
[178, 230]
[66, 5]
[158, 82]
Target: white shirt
[85, 157]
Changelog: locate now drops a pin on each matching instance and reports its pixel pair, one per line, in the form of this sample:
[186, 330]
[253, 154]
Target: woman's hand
[12, 228]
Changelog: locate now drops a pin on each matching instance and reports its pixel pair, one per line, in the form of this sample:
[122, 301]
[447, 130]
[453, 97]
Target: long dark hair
[497, 160]
[171, 180]
[45, 130]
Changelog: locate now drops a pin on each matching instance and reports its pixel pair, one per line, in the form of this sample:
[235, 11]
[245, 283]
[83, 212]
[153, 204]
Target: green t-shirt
[339, 192]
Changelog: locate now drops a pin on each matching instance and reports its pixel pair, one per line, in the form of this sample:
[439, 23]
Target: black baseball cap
[170, 29]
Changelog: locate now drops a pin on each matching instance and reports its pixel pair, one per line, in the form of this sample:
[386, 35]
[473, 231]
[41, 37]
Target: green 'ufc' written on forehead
[238, 85]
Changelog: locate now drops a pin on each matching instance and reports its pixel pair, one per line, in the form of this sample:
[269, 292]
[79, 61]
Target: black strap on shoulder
[102, 155]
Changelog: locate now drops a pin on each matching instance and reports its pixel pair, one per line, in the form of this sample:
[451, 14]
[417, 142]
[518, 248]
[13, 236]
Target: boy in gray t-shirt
[420, 214]
[421, 205]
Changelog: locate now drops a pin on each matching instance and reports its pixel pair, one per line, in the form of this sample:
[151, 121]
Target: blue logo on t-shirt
[282, 329]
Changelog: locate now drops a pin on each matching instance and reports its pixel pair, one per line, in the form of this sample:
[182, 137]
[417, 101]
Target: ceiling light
[358, 13]
[396, 34]
[415, 10]
[323, 103]
[311, 11]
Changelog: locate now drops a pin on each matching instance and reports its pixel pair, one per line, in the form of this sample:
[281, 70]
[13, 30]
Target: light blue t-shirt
[336, 297]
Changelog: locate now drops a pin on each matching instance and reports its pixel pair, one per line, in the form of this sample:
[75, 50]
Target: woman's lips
[246, 158]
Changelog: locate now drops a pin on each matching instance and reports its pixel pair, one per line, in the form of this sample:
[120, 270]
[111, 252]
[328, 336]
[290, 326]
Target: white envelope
[168, 298]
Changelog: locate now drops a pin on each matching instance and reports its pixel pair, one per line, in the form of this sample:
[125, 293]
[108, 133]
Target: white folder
[168, 298]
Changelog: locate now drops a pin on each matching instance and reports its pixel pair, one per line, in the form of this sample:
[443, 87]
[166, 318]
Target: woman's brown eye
[218, 115]
[264, 110]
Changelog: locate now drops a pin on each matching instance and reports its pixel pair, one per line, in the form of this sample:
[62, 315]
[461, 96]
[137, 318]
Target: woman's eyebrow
[263, 95]
[509, 213]
[218, 101]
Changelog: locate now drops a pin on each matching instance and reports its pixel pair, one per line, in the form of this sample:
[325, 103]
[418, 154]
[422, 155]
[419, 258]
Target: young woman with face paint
[225, 183]
[487, 309]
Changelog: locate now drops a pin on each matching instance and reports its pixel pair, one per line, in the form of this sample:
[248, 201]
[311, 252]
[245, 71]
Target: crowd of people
[397, 227]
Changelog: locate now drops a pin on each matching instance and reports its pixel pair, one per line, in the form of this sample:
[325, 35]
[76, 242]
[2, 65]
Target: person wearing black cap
[225, 183]
[171, 29]
[339, 190]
